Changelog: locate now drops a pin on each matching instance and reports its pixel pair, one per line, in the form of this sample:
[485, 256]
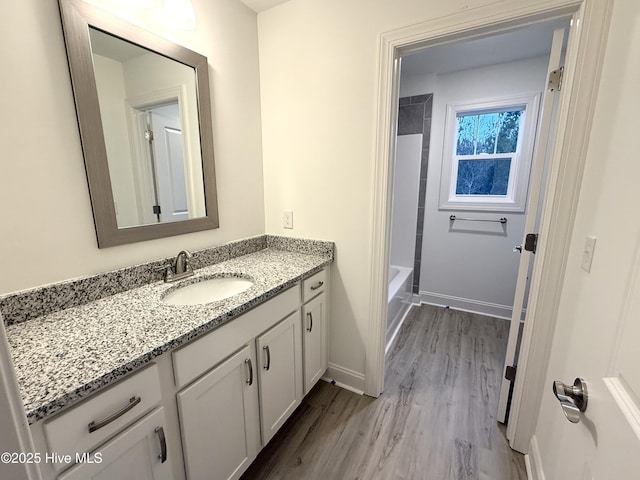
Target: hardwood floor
[434, 421]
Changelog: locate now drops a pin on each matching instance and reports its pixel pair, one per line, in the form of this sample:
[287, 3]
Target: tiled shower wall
[414, 116]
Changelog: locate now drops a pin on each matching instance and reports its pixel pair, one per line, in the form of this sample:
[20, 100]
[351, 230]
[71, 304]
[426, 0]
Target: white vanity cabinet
[280, 374]
[138, 453]
[219, 419]
[220, 413]
[315, 329]
[205, 410]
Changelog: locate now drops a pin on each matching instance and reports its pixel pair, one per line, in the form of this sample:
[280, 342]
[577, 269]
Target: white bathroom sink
[207, 291]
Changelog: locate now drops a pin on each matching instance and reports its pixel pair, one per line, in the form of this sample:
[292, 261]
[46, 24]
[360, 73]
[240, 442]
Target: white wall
[318, 69]
[47, 223]
[471, 264]
[411, 85]
[406, 182]
[606, 210]
[111, 95]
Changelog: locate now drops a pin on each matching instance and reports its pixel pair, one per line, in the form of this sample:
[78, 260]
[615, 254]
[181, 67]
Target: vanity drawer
[313, 285]
[105, 414]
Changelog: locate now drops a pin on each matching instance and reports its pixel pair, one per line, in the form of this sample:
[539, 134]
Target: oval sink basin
[207, 291]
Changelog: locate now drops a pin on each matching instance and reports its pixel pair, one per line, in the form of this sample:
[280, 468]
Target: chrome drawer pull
[310, 315]
[163, 444]
[250, 379]
[317, 285]
[93, 426]
[268, 364]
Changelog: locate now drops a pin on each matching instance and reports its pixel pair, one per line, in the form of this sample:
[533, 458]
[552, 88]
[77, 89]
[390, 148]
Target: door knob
[573, 399]
[517, 248]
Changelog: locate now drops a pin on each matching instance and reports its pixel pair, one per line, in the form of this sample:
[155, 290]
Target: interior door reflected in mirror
[149, 118]
[145, 127]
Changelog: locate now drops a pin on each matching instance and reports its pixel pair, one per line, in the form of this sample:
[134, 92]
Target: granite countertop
[64, 356]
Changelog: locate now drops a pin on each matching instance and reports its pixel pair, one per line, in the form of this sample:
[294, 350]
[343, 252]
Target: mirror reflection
[149, 112]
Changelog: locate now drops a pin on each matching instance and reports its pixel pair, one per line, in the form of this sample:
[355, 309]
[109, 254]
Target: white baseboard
[467, 305]
[533, 462]
[406, 309]
[345, 378]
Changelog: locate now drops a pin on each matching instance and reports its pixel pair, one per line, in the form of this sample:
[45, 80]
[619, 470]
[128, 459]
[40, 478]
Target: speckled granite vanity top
[65, 355]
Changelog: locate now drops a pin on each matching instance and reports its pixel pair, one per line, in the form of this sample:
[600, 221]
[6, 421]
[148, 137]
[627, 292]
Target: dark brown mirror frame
[77, 17]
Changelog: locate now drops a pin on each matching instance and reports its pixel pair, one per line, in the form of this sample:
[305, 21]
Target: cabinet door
[314, 336]
[219, 419]
[280, 366]
[138, 453]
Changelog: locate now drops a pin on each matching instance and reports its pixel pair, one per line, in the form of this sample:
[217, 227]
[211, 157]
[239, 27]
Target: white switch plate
[287, 218]
[587, 254]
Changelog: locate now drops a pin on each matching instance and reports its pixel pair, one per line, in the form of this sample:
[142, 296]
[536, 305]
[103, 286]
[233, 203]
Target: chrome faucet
[180, 269]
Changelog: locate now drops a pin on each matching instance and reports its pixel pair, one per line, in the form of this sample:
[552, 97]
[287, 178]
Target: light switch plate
[287, 218]
[587, 254]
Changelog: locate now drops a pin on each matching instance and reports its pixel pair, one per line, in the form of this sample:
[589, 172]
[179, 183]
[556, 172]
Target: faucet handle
[167, 272]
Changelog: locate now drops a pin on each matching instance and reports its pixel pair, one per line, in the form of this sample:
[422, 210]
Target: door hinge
[148, 135]
[555, 80]
[510, 372]
[531, 242]
[156, 210]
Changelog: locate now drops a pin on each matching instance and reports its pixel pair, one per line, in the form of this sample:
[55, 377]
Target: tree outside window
[481, 135]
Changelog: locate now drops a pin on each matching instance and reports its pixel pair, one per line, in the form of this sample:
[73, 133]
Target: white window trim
[516, 198]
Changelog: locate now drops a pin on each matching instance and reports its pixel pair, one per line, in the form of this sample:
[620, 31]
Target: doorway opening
[583, 66]
[476, 121]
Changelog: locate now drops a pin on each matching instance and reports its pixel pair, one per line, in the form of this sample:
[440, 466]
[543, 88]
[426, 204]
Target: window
[487, 154]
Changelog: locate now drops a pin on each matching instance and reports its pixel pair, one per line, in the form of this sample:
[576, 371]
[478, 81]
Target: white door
[169, 162]
[138, 453]
[597, 332]
[280, 377]
[603, 350]
[219, 420]
[544, 137]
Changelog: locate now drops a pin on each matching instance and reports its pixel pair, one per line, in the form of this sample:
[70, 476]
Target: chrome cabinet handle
[573, 399]
[133, 401]
[310, 315]
[317, 285]
[248, 363]
[268, 364]
[163, 444]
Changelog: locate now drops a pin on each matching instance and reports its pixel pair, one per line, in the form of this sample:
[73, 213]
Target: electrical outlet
[587, 254]
[287, 218]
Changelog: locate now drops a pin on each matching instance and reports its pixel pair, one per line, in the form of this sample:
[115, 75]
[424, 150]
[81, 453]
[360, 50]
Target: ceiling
[114, 47]
[526, 42]
[260, 5]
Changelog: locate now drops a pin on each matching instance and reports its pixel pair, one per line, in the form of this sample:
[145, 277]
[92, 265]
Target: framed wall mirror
[144, 114]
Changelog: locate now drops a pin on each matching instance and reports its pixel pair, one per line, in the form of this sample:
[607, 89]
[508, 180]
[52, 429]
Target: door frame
[142, 172]
[16, 436]
[583, 65]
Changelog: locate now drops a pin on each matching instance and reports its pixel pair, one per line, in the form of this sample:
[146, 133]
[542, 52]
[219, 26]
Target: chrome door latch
[573, 399]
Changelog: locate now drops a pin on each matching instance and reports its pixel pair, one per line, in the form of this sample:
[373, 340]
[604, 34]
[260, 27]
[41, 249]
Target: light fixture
[135, 3]
[180, 14]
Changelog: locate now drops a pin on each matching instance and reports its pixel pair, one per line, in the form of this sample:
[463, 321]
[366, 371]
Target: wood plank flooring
[434, 421]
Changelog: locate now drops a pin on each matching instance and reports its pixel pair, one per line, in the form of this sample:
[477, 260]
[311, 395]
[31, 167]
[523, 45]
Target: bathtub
[399, 300]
